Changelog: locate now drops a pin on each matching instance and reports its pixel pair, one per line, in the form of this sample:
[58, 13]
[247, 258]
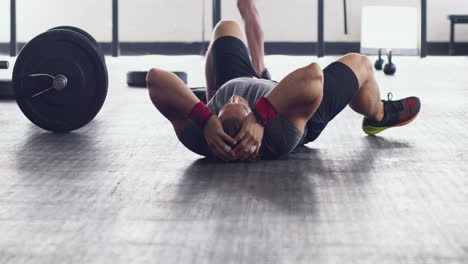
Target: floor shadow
[381, 143]
[285, 184]
[47, 153]
[362, 164]
[288, 184]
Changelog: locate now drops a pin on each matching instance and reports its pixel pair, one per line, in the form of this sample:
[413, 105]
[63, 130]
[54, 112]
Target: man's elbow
[152, 83]
[151, 77]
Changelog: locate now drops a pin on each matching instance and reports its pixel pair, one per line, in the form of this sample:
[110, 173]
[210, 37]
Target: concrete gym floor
[124, 190]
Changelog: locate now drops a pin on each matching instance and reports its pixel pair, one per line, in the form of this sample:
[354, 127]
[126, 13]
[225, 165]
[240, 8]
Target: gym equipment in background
[379, 62]
[4, 65]
[82, 32]
[455, 19]
[389, 68]
[345, 17]
[60, 79]
[138, 78]
[6, 90]
[200, 92]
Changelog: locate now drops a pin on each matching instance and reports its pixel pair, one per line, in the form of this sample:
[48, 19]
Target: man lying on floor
[248, 118]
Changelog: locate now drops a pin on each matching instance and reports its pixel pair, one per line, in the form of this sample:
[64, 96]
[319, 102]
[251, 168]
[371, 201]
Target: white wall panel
[182, 20]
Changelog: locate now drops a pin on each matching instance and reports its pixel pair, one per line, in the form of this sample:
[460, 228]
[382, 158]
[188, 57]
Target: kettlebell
[389, 68]
[379, 62]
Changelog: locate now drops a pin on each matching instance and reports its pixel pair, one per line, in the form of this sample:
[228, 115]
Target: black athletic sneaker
[396, 113]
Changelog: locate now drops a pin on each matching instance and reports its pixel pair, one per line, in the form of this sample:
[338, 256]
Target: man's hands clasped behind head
[218, 141]
[245, 146]
[249, 139]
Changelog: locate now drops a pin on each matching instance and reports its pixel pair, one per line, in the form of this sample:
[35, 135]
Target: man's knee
[313, 76]
[313, 72]
[228, 28]
[362, 61]
[365, 62]
[227, 24]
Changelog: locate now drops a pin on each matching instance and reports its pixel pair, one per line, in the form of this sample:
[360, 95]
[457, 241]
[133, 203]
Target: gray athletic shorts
[280, 138]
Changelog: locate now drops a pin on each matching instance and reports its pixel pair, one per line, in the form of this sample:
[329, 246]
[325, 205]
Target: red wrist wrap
[200, 114]
[264, 111]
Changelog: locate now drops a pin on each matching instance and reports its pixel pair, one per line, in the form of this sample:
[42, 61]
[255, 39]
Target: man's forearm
[170, 95]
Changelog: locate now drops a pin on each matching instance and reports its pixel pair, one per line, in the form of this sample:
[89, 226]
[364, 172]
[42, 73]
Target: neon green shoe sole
[372, 130]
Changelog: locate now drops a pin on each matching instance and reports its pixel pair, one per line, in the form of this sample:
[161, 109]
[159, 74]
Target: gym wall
[166, 21]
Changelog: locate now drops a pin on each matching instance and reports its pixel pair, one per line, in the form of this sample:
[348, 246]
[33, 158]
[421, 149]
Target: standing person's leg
[227, 58]
[254, 32]
[222, 29]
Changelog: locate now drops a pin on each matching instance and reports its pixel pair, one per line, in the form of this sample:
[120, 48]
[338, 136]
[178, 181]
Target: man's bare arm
[176, 101]
[171, 97]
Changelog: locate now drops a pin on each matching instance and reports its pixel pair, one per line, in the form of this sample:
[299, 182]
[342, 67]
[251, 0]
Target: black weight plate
[138, 78]
[201, 94]
[73, 55]
[4, 64]
[182, 76]
[78, 30]
[82, 32]
[6, 90]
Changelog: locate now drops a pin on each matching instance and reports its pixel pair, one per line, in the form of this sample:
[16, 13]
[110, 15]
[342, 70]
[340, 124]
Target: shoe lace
[395, 106]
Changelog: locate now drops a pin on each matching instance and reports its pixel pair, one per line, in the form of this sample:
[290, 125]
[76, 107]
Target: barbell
[4, 64]
[5, 85]
[60, 79]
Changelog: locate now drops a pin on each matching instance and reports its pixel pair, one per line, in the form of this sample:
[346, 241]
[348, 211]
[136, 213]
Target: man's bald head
[232, 114]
